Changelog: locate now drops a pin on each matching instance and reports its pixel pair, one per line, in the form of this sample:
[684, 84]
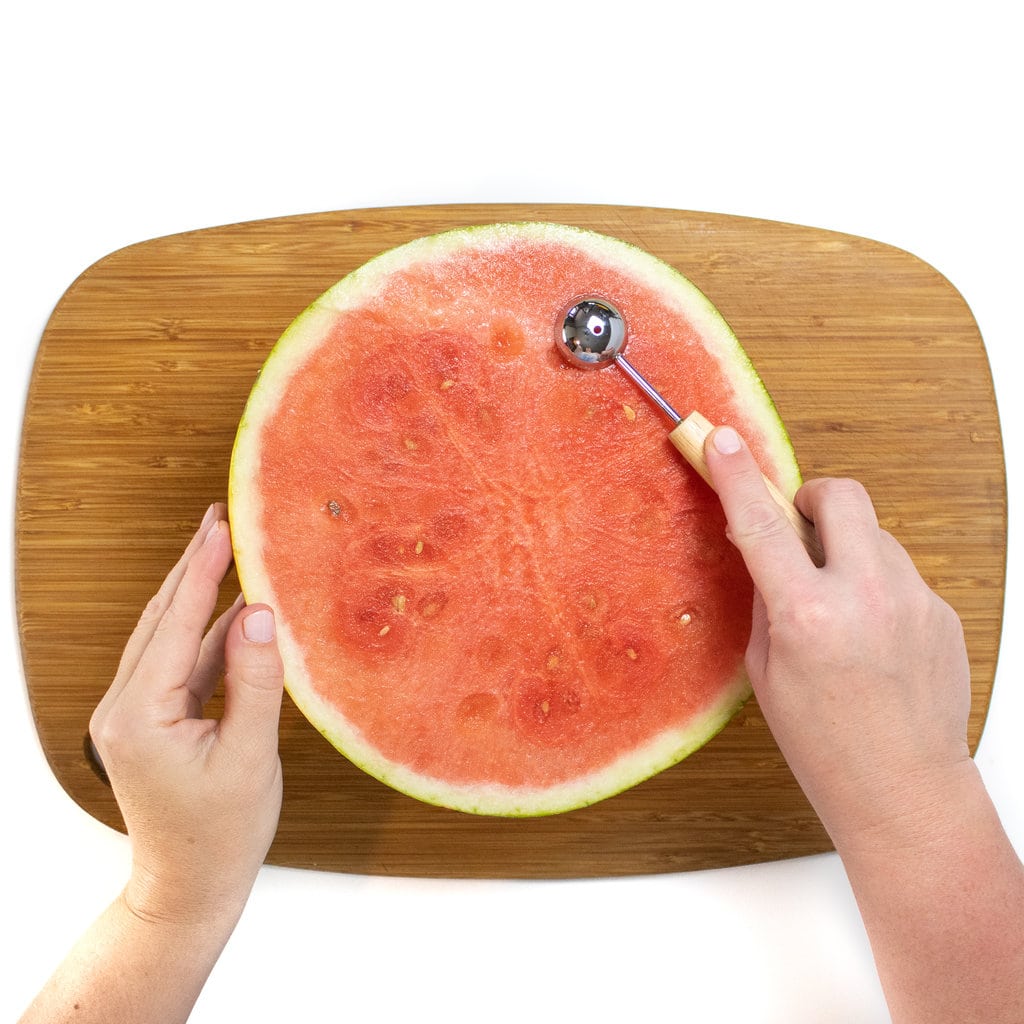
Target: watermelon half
[499, 588]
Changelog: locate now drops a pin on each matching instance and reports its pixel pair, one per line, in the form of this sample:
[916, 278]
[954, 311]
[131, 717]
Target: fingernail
[258, 626]
[727, 441]
[208, 518]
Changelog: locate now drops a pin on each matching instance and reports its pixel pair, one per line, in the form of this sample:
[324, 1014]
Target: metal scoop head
[592, 333]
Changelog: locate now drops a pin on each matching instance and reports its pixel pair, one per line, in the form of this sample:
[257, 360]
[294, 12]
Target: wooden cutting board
[874, 361]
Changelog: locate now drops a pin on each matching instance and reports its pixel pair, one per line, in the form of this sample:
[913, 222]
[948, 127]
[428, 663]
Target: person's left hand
[200, 797]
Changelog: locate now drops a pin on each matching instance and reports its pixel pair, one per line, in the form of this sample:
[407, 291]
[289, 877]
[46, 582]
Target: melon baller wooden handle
[689, 437]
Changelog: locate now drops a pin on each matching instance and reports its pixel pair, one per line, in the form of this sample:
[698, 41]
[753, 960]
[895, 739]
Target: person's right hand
[859, 668]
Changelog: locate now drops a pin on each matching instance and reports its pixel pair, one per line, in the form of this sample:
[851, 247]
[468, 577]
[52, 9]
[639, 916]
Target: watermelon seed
[340, 508]
[419, 547]
[384, 631]
[685, 619]
[630, 412]
[631, 654]
[411, 444]
[446, 384]
[398, 602]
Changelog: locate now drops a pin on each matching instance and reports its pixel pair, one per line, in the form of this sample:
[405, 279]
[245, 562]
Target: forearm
[200, 796]
[129, 968]
[941, 892]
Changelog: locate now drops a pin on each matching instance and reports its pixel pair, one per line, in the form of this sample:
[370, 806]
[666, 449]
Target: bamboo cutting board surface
[873, 359]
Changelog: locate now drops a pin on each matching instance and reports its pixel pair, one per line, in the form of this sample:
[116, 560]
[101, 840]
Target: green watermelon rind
[662, 752]
[302, 337]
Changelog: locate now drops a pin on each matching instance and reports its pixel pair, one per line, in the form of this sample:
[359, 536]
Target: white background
[121, 122]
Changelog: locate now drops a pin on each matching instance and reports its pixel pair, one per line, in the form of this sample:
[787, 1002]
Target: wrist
[193, 904]
[915, 808]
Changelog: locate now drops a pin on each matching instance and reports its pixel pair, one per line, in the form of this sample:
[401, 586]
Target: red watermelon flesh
[498, 585]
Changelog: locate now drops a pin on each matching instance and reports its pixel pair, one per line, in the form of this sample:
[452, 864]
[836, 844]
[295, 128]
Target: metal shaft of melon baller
[593, 335]
[688, 433]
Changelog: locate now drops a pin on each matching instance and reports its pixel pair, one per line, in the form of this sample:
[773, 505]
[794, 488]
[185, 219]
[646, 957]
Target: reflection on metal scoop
[592, 335]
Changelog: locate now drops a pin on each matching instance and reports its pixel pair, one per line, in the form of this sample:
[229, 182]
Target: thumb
[254, 675]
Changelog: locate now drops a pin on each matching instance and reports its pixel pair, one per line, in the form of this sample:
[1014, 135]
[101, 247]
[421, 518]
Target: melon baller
[592, 335]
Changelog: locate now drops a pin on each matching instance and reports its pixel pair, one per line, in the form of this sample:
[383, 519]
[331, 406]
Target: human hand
[859, 668]
[200, 797]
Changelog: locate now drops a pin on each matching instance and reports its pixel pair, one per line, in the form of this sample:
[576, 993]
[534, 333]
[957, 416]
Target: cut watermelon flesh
[499, 587]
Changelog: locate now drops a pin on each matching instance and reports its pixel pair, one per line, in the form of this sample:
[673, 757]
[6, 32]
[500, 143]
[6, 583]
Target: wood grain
[872, 357]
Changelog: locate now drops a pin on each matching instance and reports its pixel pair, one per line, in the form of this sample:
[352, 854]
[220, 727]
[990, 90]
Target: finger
[160, 680]
[774, 554]
[844, 518]
[254, 678]
[153, 612]
[210, 665]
